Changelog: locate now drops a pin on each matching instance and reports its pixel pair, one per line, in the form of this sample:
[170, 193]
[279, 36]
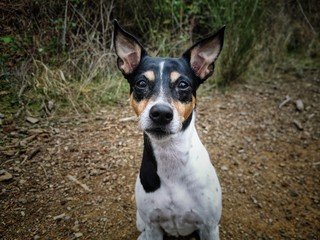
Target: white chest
[189, 195]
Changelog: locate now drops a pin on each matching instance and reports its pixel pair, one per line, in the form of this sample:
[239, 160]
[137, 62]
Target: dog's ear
[128, 50]
[204, 53]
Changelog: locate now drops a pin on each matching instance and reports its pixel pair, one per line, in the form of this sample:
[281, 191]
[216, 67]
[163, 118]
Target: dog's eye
[141, 84]
[183, 85]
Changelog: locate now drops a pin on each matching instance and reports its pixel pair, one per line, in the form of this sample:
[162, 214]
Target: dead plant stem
[305, 17]
[64, 30]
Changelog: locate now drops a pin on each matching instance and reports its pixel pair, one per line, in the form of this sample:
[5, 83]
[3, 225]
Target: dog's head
[163, 90]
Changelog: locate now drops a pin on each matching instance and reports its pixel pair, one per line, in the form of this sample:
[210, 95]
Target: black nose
[161, 114]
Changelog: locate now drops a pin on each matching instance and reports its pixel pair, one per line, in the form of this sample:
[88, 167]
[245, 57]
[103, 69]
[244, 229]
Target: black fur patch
[148, 171]
[187, 122]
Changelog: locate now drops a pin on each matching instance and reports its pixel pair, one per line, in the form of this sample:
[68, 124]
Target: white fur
[189, 197]
[161, 66]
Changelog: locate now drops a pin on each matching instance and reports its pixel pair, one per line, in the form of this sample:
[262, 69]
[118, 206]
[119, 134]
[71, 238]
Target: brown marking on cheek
[150, 75]
[185, 109]
[174, 76]
[138, 107]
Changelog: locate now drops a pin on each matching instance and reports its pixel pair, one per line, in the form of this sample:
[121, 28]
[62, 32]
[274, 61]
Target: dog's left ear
[128, 50]
[204, 53]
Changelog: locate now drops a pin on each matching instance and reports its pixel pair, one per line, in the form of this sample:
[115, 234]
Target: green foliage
[6, 39]
[67, 53]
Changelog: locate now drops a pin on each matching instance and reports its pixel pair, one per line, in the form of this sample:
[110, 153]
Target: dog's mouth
[159, 132]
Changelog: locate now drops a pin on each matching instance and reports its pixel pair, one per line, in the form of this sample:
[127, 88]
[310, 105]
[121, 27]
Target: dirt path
[74, 178]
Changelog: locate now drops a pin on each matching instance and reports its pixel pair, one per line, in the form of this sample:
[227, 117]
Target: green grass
[261, 38]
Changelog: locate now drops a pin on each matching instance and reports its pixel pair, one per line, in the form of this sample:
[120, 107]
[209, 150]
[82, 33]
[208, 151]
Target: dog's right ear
[204, 53]
[128, 50]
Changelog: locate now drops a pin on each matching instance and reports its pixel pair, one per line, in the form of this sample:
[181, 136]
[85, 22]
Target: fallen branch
[84, 186]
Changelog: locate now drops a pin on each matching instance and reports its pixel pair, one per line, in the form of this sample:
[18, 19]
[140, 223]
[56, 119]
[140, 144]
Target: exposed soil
[74, 177]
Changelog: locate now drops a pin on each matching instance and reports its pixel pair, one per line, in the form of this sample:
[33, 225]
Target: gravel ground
[73, 177]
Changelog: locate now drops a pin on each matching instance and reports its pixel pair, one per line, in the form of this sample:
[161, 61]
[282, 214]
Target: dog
[177, 189]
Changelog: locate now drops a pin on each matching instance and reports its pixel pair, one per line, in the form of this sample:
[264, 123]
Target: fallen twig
[127, 119]
[84, 186]
[32, 154]
[288, 99]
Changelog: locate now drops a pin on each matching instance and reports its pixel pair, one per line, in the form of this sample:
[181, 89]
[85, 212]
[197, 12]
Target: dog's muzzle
[161, 115]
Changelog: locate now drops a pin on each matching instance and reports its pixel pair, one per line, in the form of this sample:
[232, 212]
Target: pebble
[75, 228]
[36, 237]
[5, 176]
[23, 200]
[242, 190]
[298, 124]
[282, 164]
[224, 168]
[78, 234]
[299, 105]
[32, 120]
[254, 200]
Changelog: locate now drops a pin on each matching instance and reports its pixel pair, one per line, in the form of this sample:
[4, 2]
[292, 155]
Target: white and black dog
[177, 190]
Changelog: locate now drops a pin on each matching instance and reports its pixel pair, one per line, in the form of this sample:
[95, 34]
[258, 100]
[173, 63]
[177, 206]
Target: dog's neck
[165, 158]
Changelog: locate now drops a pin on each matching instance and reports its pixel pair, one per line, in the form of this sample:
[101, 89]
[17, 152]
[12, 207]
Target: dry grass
[70, 57]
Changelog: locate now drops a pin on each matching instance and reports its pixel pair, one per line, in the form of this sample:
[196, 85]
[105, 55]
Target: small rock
[56, 130]
[282, 164]
[32, 120]
[75, 228]
[224, 168]
[36, 237]
[242, 190]
[3, 191]
[256, 174]
[94, 172]
[299, 105]
[5, 176]
[17, 169]
[50, 105]
[23, 200]
[78, 234]
[254, 200]
[1, 115]
[241, 150]
[298, 124]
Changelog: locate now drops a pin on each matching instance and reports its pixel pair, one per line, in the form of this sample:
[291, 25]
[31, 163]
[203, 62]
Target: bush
[67, 54]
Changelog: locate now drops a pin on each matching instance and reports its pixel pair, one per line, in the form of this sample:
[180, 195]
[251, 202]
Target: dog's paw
[142, 236]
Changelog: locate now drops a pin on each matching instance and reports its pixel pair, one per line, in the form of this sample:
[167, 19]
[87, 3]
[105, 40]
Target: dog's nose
[161, 114]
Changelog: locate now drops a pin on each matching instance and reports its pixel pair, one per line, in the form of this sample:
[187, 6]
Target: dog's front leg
[151, 233]
[209, 233]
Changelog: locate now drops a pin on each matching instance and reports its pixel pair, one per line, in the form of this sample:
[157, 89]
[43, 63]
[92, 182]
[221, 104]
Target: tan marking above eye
[138, 107]
[150, 75]
[174, 76]
[185, 109]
